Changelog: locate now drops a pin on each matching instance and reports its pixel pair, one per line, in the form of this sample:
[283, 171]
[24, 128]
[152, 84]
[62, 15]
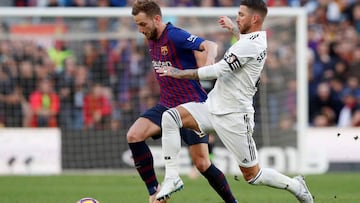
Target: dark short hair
[149, 7]
[256, 5]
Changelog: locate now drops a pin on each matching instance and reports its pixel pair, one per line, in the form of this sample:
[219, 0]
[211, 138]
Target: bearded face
[147, 26]
[243, 19]
[152, 34]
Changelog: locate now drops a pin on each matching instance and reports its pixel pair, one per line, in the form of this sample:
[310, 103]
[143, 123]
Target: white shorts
[234, 130]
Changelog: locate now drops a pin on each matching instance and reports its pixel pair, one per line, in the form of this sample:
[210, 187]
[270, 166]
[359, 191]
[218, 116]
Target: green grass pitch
[124, 188]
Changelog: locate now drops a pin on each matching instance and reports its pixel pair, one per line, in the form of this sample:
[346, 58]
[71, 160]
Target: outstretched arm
[177, 73]
[226, 23]
[204, 73]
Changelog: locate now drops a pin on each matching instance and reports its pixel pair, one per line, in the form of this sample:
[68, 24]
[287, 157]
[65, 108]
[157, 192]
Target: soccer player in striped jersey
[172, 46]
[229, 108]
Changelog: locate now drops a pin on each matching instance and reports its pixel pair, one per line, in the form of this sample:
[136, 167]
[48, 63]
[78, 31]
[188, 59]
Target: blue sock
[144, 164]
[218, 181]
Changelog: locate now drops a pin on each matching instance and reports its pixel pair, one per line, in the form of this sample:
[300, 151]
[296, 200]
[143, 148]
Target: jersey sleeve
[185, 40]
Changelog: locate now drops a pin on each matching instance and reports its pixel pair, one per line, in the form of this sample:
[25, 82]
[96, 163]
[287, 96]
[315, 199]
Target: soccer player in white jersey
[228, 111]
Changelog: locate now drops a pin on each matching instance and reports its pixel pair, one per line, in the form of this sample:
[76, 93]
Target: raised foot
[169, 186]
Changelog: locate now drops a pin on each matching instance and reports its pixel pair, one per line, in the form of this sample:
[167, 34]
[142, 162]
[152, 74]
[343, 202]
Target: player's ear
[256, 18]
[157, 19]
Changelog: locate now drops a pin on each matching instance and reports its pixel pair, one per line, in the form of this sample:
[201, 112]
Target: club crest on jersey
[164, 50]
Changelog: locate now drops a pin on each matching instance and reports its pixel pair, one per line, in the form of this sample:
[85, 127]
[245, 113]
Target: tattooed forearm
[189, 74]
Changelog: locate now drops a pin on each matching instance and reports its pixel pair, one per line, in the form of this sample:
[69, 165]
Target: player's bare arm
[210, 49]
[227, 23]
[177, 73]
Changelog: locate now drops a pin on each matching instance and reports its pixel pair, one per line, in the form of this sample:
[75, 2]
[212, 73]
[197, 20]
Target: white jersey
[237, 75]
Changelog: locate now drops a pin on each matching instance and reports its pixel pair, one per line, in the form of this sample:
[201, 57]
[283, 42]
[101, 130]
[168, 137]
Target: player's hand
[168, 71]
[226, 23]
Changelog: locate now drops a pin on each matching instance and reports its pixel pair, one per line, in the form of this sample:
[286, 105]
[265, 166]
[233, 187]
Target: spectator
[26, 79]
[323, 62]
[94, 59]
[356, 16]
[118, 66]
[324, 103]
[340, 71]
[97, 109]
[45, 105]
[58, 54]
[65, 86]
[346, 113]
[355, 122]
[80, 89]
[352, 85]
[11, 99]
[275, 81]
[321, 120]
[354, 69]
[26, 82]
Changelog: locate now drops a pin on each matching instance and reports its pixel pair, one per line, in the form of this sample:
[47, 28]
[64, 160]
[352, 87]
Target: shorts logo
[200, 134]
[245, 161]
[164, 50]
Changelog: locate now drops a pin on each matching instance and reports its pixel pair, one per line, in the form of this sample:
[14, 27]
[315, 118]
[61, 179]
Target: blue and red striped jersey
[175, 48]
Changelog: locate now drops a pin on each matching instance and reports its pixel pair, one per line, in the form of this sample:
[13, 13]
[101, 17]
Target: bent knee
[202, 164]
[135, 136]
[132, 137]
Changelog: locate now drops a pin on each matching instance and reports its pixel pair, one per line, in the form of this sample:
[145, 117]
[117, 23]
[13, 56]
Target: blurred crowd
[106, 84]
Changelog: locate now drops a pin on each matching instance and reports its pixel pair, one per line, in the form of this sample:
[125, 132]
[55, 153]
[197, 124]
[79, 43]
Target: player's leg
[148, 125]
[199, 151]
[215, 177]
[174, 119]
[194, 172]
[270, 177]
[171, 145]
[235, 131]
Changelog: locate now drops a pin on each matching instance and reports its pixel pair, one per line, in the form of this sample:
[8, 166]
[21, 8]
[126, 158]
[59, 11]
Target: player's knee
[133, 136]
[171, 118]
[202, 164]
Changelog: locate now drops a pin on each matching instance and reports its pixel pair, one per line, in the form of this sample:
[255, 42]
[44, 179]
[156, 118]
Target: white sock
[273, 178]
[171, 141]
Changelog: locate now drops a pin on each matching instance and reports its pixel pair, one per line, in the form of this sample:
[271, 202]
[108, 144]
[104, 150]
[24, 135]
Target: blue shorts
[189, 136]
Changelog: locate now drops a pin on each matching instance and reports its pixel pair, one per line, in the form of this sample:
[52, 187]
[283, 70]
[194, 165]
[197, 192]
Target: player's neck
[254, 29]
[161, 29]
